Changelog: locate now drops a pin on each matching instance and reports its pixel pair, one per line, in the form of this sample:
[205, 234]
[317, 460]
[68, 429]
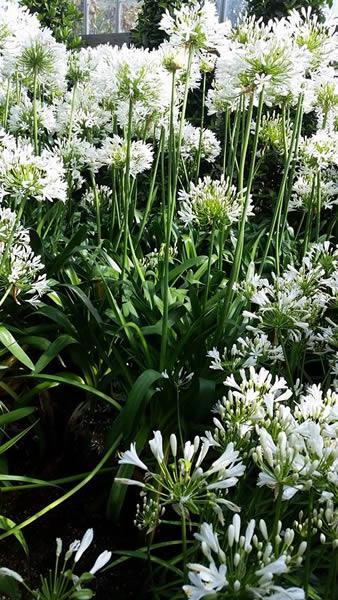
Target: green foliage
[147, 32]
[61, 16]
[279, 8]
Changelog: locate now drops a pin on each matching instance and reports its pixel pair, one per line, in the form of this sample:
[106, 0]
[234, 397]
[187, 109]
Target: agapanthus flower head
[321, 150]
[318, 38]
[114, 154]
[211, 202]
[195, 25]
[43, 60]
[246, 564]
[148, 515]
[271, 133]
[21, 271]
[195, 141]
[253, 398]
[21, 118]
[81, 65]
[260, 59]
[246, 352]
[304, 190]
[25, 175]
[79, 113]
[182, 482]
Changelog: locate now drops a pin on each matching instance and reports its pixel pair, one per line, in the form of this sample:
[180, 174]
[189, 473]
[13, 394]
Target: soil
[70, 521]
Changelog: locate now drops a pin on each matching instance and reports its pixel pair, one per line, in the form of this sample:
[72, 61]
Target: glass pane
[128, 14]
[230, 9]
[112, 16]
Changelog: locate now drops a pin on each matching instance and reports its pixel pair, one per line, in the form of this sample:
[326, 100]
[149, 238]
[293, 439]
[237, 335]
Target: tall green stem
[240, 241]
[6, 109]
[319, 205]
[198, 164]
[280, 198]
[173, 171]
[35, 113]
[278, 511]
[71, 117]
[209, 264]
[97, 207]
[126, 191]
[307, 570]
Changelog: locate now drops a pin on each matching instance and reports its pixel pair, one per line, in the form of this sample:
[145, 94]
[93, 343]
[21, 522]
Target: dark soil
[69, 521]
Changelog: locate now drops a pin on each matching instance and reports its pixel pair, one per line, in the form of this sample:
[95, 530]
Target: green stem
[307, 569]
[198, 165]
[319, 205]
[35, 113]
[71, 118]
[97, 207]
[280, 197]
[309, 217]
[278, 510]
[167, 228]
[6, 109]
[184, 540]
[226, 129]
[151, 194]
[240, 241]
[126, 191]
[69, 494]
[209, 263]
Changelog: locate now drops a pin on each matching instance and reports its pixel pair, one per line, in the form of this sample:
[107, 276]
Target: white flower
[156, 446]
[195, 26]
[22, 174]
[211, 202]
[130, 457]
[84, 544]
[10, 573]
[114, 153]
[192, 139]
[101, 561]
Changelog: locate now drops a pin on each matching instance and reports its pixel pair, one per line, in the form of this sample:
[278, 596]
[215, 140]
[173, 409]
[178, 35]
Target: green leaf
[76, 241]
[140, 393]
[53, 350]
[84, 594]
[14, 348]
[6, 524]
[75, 381]
[10, 588]
[4, 447]
[16, 415]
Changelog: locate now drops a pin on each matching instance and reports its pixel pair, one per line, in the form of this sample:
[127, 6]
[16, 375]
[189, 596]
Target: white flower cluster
[211, 202]
[247, 563]
[20, 269]
[284, 57]
[184, 484]
[293, 306]
[25, 175]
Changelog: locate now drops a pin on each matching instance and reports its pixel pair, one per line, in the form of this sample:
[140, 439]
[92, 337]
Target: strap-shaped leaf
[7, 339]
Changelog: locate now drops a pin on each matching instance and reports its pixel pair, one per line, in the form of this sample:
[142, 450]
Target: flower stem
[97, 207]
[307, 570]
[278, 511]
[6, 108]
[35, 113]
[198, 165]
[126, 191]
[209, 264]
[240, 241]
[280, 198]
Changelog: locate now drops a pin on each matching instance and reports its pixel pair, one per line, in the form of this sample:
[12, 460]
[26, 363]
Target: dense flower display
[168, 252]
